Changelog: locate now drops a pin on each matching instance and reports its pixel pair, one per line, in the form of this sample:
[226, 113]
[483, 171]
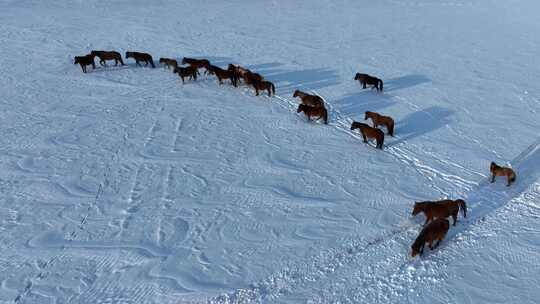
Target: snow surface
[124, 186]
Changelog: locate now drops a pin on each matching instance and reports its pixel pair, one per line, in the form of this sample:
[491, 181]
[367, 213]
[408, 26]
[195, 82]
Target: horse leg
[430, 244]
[256, 92]
[83, 67]
[137, 62]
[493, 178]
[365, 138]
[509, 182]
[269, 92]
[454, 216]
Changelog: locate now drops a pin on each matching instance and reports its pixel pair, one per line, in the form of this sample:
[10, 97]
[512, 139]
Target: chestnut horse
[313, 111]
[169, 63]
[144, 57]
[365, 79]
[83, 61]
[434, 231]
[108, 55]
[223, 74]
[379, 119]
[369, 132]
[189, 71]
[197, 63]
[440, 209]
[308, 99]
[497, 170]
[263, 85]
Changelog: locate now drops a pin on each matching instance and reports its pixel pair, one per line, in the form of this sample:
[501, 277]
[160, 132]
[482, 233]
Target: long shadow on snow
[287, 81]
[403, 82]
[421, 122]
[354, 105]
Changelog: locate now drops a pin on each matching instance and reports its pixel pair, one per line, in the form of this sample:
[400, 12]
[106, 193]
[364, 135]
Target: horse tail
[273, 88]
[381, 83]
[391, 128]
[382, 142]
[513, 177]
[463, 207]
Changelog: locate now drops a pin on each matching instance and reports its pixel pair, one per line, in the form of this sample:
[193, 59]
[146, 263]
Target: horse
[369, 132]
[308, 99]
[108, 55]
[313, 111]
[497, 170]
[250, 77]
[239, 71]
[223, 74]
[435, 231]
[169, 63]
[189, 71]
[85, 60]
[379, 119]
[263, 85]
[197, 63]
[145, 57]
[365, 79]
[440, 209]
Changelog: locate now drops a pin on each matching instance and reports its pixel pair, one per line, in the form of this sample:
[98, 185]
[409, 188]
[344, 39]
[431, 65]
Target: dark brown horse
[263, 85]
[379, 119]
[310, 111]
[189, 71]
[197, 63]
[83, 61]
[239, 71]
[366, 79]
[250, 77]
[144, 57]
[497, 170]
[308, 99]
[169, 63]
[223, 74]
[440, 209]
[434, 231]
[108, 55]
[369, 132]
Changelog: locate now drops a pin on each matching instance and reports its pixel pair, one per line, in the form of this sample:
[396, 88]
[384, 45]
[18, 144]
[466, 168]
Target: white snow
[125, 186]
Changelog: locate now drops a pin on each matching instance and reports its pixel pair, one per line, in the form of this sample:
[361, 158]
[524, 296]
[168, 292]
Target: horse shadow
[422, 122]
[403, 82]
[357, 103]
[287, 81]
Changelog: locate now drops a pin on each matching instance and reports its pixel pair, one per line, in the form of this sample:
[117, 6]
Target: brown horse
[223, 74]
[263, 85]
[197, 63]
[189, 71]
[239, 71]
[250, 77]
[497, 170]
[369, 132]
[440, 209]
[83, 61]
[365, 79]
[144, 57]
[308, 99]
[435, 231]
[108, 55]
[169, 63]
[313, 111]
[379, 119]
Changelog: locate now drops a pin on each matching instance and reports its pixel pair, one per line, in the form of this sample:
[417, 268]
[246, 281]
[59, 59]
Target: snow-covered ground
[125, 186]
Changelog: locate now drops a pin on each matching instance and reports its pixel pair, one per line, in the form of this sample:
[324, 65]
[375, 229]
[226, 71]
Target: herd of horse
[436, 213]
